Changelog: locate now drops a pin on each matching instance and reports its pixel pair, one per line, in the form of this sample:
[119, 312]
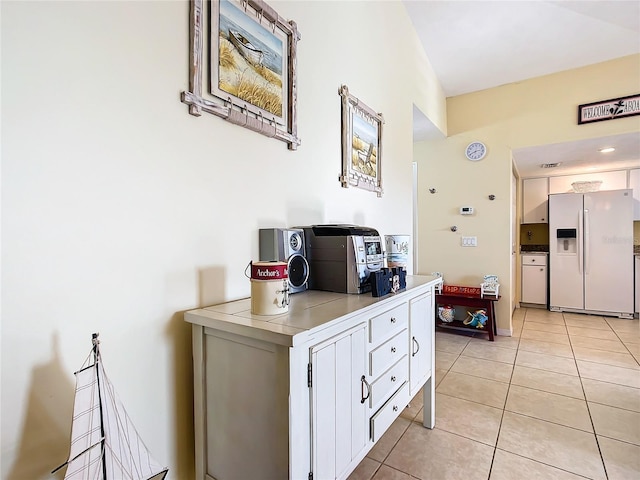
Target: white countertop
[307, 311]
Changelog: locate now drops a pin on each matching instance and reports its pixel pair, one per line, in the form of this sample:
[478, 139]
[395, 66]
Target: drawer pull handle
[393, 378]
[417, 345]
[395, 408]
[363, 382]
[393, 319]
[393, 349]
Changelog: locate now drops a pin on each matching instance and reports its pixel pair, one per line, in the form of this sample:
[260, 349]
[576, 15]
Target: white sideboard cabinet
[306, 394]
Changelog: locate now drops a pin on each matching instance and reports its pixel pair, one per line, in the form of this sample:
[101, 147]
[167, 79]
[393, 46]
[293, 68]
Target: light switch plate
[469, 241]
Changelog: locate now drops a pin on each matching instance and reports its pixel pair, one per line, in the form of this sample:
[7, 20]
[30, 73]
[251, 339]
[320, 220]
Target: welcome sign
[609, 109]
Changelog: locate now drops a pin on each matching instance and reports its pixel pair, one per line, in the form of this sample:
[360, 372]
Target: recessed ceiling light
[607, 150]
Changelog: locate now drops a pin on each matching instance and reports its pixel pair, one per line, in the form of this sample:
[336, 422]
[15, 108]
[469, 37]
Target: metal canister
[269, 288]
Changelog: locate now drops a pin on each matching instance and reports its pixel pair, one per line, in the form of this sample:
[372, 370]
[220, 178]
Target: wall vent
[550, 165]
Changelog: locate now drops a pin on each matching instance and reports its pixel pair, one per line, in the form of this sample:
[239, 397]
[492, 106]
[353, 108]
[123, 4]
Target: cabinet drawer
[388, 382]
[388, 353]
[381, 421]
[534, 260]
[387, 323]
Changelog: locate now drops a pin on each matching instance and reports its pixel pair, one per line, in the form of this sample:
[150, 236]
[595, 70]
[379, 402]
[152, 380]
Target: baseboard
[505, 332]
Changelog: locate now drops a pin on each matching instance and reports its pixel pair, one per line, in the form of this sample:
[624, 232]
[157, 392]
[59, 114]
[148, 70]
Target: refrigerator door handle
[579, 245]
[587, 236]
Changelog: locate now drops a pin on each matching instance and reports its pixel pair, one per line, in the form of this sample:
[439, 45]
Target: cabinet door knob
[395, 408]
[393, 319]
[393, 349]
[393, 378]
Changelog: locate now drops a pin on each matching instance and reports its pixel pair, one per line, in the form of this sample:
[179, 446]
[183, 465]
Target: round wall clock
[476, 151]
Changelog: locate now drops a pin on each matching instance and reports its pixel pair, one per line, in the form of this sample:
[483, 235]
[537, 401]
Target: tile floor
[558, 400]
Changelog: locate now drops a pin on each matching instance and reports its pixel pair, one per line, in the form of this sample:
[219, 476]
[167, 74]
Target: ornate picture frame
[251, 66]
[361, 144]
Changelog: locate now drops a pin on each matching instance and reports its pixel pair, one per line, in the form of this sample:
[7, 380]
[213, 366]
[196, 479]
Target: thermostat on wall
[466, 210]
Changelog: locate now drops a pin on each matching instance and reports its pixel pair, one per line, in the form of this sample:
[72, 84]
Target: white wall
[120, 210]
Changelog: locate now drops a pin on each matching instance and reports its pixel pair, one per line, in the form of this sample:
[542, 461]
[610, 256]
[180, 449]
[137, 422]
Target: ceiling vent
[550, 165]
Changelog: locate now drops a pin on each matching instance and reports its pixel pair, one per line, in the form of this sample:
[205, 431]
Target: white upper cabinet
[535, 203]
[610, 181]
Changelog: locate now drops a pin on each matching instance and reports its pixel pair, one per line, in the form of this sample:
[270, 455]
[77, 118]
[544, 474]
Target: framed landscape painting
[248, 60]
[361, 144]
[251, 59]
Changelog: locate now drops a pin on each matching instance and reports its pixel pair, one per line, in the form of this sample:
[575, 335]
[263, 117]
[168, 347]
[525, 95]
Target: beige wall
[120, 210]
[528, 113]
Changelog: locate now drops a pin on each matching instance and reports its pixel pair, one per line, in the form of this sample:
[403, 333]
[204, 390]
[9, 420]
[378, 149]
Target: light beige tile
[596, 323]
[546, 381]
[592, 333]
[388, 473]
[365, 470]
[501, 341]
[625, 360]
[547, 362]
[628, 337]
[444, 360]
[616, 423]
[562, 447]
[581, 315]
[538, 346]
[633, 348]
[475, 389]
[517, 330]
[468, 419]
[498, 371]
[440, 374]
[507, 466]
[624, 325]
[518, 314]
[561, 338]
[567, 411]
[609, 373]
[450, 343]
[436, 454]
[415, 405]
[382, 448]
[550, 319]
[612, 394]
[599, 344]
[622, 460]
[544, 327]
[488, 351]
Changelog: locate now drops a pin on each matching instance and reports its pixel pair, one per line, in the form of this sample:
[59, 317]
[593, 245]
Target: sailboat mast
[96, 358]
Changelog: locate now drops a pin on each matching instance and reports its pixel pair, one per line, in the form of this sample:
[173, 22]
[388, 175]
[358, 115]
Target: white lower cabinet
[534, 279]
[338, 410]
[306, 395]
[421, 349]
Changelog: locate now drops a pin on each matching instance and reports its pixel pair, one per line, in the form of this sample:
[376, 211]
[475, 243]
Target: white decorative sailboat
[104, 443]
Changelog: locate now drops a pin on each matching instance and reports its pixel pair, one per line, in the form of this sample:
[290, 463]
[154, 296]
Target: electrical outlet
[469, 241]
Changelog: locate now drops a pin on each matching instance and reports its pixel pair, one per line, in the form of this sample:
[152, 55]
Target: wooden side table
[471, 301]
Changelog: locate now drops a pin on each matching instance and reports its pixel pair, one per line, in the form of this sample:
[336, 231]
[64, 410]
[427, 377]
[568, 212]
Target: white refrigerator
[591, 252]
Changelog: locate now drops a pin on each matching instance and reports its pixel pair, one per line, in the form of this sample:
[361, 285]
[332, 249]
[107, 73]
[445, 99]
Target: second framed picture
[361, 144]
